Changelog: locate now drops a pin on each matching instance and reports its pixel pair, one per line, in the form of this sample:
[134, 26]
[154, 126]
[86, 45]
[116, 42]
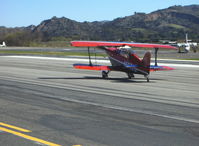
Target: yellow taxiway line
[14, 127]
[24, 135]
[28, 137]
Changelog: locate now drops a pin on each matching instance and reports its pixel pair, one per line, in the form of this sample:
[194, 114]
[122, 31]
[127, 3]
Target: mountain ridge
[171, 23]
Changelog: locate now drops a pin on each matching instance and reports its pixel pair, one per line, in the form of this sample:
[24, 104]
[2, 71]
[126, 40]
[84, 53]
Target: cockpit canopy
[125, 51]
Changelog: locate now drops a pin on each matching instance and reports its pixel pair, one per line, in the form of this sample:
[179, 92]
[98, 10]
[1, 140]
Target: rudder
[146, 61]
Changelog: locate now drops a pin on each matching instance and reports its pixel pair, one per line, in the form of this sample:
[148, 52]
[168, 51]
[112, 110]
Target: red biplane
[123, 58]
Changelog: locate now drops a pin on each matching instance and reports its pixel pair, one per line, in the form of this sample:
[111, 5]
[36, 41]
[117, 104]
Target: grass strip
[20, 52]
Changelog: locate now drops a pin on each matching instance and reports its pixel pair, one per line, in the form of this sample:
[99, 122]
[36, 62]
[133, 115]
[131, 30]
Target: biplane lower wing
[109, 68]
[152, 67]
[160, 68]
[91, 67]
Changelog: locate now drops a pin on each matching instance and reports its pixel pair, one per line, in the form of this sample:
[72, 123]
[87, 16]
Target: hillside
[171, 23]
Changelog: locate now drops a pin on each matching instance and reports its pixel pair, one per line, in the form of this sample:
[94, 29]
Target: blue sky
[17, 13]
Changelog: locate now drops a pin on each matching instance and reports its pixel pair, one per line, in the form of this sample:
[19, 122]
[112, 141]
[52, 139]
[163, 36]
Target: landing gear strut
[147, 77]
[156, 56]
[105, 74]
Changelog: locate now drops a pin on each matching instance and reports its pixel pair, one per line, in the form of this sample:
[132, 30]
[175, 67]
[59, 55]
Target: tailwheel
[130, 75]
[147, 78]
[105, 74]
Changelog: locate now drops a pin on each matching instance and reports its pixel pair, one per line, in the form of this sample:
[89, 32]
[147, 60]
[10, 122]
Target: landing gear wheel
[130, 75]
[104, 74]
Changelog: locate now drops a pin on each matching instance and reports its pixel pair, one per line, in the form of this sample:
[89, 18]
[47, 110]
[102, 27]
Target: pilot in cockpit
[125, 51]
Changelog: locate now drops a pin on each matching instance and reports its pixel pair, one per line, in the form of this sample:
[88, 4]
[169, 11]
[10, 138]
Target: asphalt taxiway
[59, 105]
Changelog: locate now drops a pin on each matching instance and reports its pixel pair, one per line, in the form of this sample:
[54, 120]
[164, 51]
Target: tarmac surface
[44, 101]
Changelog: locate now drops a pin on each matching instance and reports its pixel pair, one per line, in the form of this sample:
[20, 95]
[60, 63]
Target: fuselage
[126, 60]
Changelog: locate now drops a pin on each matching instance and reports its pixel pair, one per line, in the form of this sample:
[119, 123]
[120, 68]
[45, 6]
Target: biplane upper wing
[118, 44]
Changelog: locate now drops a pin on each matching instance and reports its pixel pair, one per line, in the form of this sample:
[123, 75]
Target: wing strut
[156, 56]
[89, 56]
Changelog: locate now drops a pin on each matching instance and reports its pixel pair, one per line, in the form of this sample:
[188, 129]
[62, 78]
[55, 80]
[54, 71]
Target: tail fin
[146, 61]
[4, 44]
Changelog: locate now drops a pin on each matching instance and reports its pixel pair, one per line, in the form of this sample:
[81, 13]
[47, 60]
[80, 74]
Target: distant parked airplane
[3, 44]
[183, 47]
[187, 45]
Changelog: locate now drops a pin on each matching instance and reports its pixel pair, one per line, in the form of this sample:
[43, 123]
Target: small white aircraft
[187, 45]
[3, 44]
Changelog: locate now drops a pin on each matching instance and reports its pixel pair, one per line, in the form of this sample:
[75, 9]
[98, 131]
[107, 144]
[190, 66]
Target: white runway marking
[177, 60]
[66, 49]
[99, 61]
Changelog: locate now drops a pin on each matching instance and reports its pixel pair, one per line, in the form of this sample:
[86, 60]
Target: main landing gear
[105, 74]
[130, 75]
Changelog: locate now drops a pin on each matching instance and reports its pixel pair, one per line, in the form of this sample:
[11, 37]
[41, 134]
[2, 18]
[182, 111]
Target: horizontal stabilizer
[159, 68]
[91, 67]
